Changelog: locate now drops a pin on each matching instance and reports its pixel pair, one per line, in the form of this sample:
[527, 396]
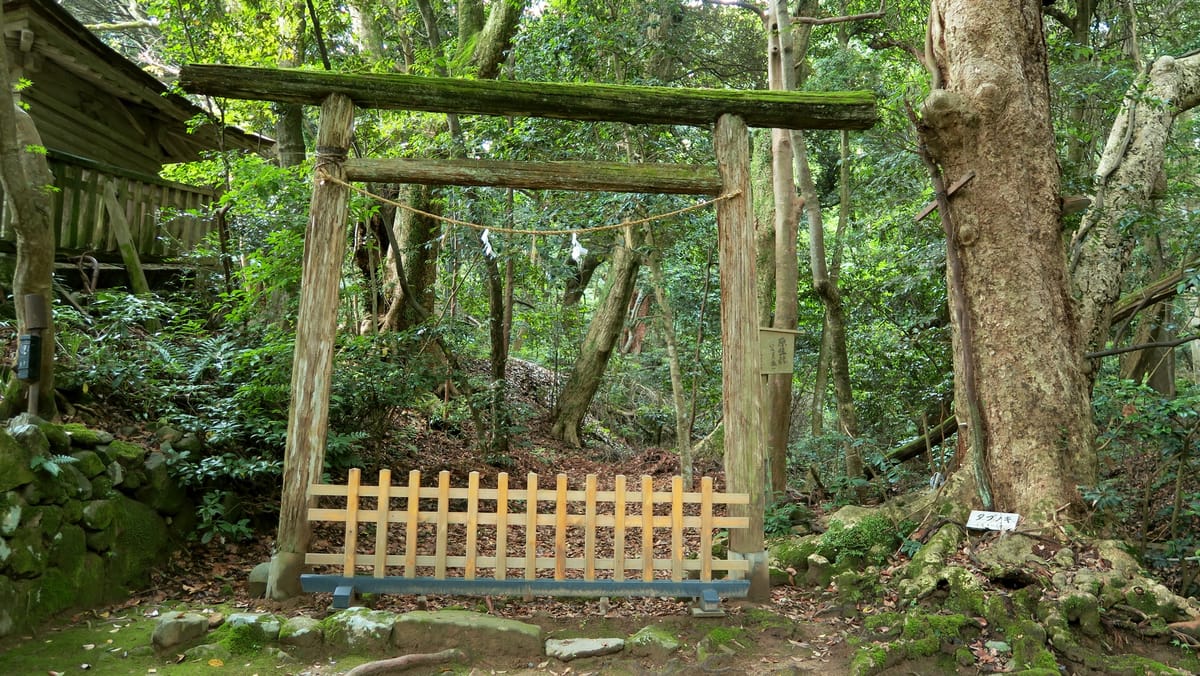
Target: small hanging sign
[980, 520]
[776, 347]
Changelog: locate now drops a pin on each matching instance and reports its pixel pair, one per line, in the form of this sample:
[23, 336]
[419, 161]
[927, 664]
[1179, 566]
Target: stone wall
[83, 518]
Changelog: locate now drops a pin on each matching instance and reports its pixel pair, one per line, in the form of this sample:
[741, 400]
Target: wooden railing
[83, 225]
[583, 534]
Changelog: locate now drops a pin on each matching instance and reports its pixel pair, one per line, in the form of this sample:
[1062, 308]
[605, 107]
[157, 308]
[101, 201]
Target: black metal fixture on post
[29, 347]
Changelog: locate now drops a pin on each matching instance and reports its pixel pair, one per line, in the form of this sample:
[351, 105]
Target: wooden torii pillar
[732, 111]
[316, 333]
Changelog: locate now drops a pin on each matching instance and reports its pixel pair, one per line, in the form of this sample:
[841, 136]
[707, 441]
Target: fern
[51, 464]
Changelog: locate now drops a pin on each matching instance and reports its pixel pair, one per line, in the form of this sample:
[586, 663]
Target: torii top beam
[567, 101]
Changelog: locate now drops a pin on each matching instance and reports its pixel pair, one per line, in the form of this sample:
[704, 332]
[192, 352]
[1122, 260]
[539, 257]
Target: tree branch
[748, 6]
[813, 21]
[1062, 17]
[121, 25]
[1142, 346]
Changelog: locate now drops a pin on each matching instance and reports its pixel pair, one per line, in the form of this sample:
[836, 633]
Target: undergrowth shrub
[231, 389]
[1148, 493]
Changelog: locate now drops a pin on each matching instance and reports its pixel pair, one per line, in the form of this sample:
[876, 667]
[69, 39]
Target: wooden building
[107, 124]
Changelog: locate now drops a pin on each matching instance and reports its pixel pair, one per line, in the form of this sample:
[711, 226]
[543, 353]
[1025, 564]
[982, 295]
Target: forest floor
[801, 630]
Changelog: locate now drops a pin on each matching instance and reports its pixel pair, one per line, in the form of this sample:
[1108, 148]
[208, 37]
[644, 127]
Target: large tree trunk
[597, 347]
[1013, 325]
[289, 117]
[417, 244]
[27, 179]
[1125, 180]
[495, 38]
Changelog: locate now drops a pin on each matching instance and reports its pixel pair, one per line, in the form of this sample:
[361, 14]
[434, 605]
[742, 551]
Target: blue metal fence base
[708, 592]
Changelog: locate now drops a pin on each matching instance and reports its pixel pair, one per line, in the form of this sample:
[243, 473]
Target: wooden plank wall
[82, 224]
[441, 531]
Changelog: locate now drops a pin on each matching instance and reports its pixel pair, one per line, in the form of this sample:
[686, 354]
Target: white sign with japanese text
[992, 520]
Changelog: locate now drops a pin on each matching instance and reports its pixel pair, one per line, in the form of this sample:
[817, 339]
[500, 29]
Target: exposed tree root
[1040, 598]
[395, 665]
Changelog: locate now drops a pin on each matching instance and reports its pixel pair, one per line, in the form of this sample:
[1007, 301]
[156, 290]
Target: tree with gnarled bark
[1030, 423]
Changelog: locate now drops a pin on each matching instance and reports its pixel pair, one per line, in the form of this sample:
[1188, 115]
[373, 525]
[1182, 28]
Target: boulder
[264, 626]
[256, 584]
[301, 632]
[10, 513]
[160, 491]
[56, 435]
[652, 641]
[190, 443]
[176, 630]
[142, 542]
[28, 555]
[206, 652]
[84, 437]
[29, 436]
[99, 514]
[128, 455]
[89, 463]
[67, 547]
[76, 485]
[168, 434]
[360, 630]
[8, 601]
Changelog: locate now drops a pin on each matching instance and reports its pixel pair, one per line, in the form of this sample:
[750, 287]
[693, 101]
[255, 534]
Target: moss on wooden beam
[587, 176]
[568, 101]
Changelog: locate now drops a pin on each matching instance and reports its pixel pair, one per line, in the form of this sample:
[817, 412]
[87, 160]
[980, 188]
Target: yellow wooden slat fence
[442, 532]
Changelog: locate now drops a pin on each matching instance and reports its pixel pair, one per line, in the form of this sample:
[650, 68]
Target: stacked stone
[83, 516]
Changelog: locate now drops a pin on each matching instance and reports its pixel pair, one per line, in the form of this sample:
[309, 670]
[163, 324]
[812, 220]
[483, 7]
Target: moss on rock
[141, 543]
[130, 456]
[84, 437]
[14, 463]
[89, 463]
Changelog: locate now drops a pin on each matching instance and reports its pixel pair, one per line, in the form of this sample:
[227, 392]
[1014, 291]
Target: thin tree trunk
[778, 400]
[497, 435]
[580, 277]
[598, 344]
[666, 317]
[823, 283]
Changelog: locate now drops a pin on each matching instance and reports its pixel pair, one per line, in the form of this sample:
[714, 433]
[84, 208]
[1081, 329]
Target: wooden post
[125, 243]
[316, 330]
[745, 460]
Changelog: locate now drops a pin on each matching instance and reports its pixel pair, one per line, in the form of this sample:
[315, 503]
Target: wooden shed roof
[90, 101]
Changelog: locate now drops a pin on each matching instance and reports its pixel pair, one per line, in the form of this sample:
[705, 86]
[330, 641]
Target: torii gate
[324, 240]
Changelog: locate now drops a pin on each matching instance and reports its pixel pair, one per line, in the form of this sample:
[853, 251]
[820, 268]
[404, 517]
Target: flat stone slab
[568, 649]
[422, 631]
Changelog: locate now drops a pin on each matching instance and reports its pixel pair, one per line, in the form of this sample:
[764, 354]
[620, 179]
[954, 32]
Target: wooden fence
[153, 208]
[577, 534]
